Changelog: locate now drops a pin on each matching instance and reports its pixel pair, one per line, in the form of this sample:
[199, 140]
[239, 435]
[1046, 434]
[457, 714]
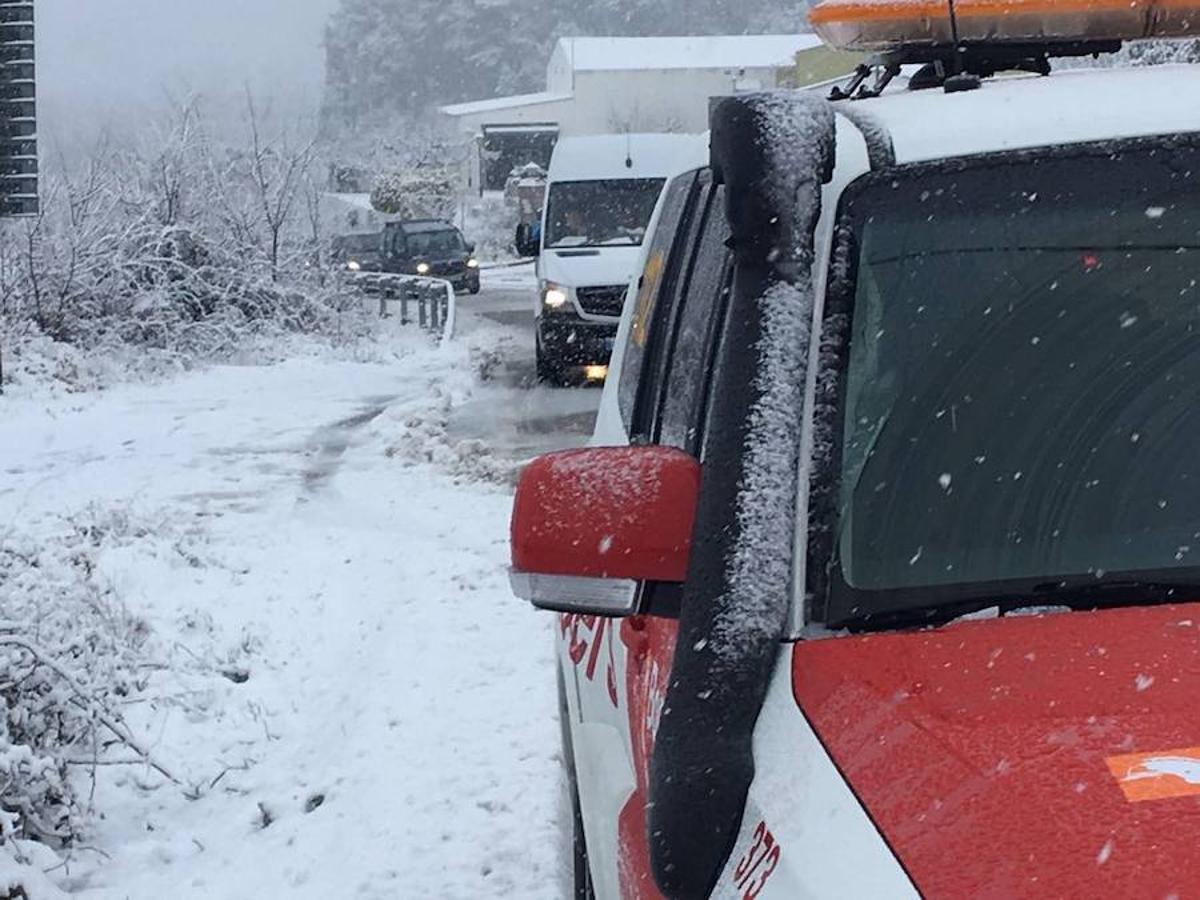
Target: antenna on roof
[958, 79]
[628, 149]
[954, 34]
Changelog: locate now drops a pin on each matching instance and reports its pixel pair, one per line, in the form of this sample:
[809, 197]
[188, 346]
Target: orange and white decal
[1157, 776]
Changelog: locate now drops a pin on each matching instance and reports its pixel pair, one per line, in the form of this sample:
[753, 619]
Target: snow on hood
[594, 267]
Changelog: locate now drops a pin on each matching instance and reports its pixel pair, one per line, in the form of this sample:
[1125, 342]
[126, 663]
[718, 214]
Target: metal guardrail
[433, 299]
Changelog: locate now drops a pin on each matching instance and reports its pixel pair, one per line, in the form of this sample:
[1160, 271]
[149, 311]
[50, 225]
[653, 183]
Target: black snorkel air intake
[773, 152]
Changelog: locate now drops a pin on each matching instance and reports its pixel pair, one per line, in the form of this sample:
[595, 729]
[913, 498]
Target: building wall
[560, 71]
[649, 100]
[673, 100]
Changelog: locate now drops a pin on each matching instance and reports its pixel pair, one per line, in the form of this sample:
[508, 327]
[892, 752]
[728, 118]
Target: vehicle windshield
[439, 243]
[357, 243]
[1019, 401]
[613, 212]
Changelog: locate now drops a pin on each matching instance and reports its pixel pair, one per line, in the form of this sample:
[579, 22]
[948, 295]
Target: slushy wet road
[511, 412]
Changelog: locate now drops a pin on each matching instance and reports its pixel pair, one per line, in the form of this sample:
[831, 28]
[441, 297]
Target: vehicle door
[620, 667]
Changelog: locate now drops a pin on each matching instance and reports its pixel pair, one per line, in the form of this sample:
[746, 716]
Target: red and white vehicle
[882, 575]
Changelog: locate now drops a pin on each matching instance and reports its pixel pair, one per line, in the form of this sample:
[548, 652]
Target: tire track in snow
[329, 444]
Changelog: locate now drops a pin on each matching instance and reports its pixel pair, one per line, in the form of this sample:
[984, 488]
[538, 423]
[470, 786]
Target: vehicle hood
[591, 267]
[1054, 755]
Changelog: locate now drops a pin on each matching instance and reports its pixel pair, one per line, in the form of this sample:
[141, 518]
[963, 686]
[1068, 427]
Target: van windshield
[613, 212]
[1020, 401]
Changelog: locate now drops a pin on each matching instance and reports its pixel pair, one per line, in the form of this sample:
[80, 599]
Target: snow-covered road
[353, 700]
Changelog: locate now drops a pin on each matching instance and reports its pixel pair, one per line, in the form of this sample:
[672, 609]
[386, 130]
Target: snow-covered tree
[417, 194]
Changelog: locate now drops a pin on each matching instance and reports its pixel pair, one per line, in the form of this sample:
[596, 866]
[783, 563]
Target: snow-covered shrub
[427, 193]
[69, 655]
[162, 256]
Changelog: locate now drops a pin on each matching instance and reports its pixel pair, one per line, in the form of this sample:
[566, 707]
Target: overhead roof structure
[495, 104]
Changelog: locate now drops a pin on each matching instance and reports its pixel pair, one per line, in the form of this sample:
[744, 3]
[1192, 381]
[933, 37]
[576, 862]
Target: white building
[605, 85]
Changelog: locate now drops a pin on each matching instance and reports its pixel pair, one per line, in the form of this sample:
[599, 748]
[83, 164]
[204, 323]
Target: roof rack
[959, 42]
[961, 67]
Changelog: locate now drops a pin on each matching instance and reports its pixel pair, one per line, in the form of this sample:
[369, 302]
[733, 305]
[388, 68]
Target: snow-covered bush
[417, 194]
[69, 655]
[183, 250]
[143, 259]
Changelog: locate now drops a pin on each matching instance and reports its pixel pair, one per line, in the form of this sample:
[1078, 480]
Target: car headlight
[422, 268]
[554, 296]
[472, 263]
[353, 265]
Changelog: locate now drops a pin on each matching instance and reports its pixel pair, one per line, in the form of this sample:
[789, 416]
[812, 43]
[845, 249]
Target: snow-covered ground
[353, 702]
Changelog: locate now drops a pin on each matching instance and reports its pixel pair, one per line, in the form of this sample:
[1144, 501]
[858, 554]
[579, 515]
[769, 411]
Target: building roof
[743, 51]
[1026, 111]
[498, 104]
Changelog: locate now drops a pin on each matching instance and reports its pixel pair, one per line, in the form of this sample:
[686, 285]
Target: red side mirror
[588, 525]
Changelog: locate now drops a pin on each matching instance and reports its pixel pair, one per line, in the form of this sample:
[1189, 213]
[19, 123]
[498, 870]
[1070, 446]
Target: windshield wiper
[1078, 594]
[1096, 592]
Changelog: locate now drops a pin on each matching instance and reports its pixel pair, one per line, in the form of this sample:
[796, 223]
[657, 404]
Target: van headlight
[472, 263]
[422, 268]
[555, 296]
[353, 265]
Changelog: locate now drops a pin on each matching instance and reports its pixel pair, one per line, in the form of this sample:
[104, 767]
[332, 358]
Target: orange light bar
[881, 25]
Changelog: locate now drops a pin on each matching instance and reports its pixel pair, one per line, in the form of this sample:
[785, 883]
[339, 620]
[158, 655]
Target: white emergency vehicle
[881, 578]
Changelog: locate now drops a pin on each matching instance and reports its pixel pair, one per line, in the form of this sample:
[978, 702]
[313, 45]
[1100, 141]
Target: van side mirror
[589, 525]
[528, 242]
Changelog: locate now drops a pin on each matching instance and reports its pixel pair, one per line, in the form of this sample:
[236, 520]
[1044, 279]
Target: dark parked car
[361, 252]
[431, 248]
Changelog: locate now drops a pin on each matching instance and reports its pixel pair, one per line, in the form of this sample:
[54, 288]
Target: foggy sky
[103, 58]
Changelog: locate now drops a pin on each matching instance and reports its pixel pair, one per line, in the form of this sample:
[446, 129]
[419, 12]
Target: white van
[601, 194]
